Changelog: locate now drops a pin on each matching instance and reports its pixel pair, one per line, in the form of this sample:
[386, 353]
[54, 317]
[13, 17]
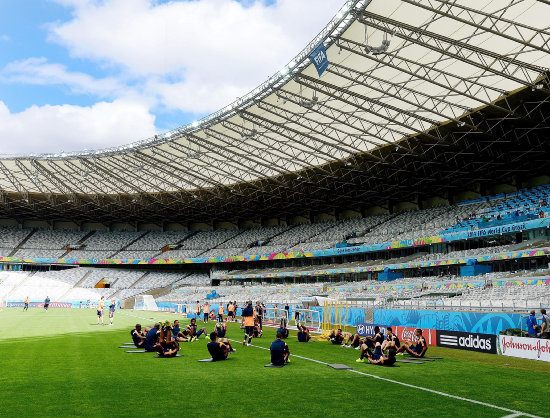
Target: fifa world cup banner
[408, 334]
[522, 347]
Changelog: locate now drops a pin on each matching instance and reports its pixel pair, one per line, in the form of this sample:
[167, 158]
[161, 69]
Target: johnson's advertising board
[529, 348]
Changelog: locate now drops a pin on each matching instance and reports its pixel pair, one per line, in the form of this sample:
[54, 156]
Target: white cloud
[52, 129]
[211, 50]
[5, 38]
[38, 71]
[193, 56]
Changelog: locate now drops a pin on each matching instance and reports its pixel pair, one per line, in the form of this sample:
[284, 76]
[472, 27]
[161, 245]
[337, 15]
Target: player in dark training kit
[415, 350]
[279, 351]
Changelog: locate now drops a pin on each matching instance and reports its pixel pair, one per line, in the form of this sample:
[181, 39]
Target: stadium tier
[445, 221]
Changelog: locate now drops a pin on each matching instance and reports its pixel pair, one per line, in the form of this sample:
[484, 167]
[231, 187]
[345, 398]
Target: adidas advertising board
[484, 343]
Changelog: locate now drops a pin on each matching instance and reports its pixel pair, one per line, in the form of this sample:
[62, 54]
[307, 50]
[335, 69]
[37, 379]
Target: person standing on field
[100, 307]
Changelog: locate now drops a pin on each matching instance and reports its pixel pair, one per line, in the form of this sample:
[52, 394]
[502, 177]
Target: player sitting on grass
[257, 330]
[177, 334]
[303, 334]
[221, 329]
[219, 348]
[248, 322]
[353, 341]
[381, 360]
[279, 351]
[377, 338]
[283, 329]
[138, 337]
[166, 346]
[192, 332]
[151, 339]
[415, 350]
[336, 337]
[390, 338]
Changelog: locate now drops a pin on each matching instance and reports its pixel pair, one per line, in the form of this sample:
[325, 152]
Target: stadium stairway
[178, 244]
[139, 280]
[83, 279]
[22, 243]
[21, 283]
[130, 243]
[267, 241]
[80, 241]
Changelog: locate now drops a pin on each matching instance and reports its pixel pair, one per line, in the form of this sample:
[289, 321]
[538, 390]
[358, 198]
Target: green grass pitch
[60, 363]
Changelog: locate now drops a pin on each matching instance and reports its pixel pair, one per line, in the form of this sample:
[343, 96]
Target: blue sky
[89, 74]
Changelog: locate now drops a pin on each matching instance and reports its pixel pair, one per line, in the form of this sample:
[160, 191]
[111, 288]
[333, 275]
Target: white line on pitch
[514, 413]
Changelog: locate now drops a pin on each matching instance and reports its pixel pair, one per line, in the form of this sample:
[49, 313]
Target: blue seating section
[520, 206]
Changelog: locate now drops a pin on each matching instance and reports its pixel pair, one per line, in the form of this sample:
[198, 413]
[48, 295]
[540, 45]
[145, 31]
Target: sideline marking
[514, 413]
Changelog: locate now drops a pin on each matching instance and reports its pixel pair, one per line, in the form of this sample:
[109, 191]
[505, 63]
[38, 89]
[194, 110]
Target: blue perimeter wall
[480, 322]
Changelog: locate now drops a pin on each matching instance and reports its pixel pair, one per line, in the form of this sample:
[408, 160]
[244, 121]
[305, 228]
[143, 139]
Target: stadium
[391, 180]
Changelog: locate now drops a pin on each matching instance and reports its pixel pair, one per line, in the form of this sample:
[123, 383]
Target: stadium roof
[420, 97]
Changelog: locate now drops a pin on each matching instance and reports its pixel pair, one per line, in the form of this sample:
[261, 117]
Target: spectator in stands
[112, 307]
[279, 351]
[415, 350]
[336, 337]
[206, 311]
[532, 325]
[303, 334]
[192, 332]
[138, 336]
[248, 322]
[151, 338]
[545, 328]
[283, 329]
[220, 348]
[47, 304]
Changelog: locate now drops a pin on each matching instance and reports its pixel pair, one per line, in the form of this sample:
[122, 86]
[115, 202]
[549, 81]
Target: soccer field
[61, 363]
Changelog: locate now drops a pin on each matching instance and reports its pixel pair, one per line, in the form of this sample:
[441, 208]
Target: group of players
[209, 314]
[377, 349]
[165, 339]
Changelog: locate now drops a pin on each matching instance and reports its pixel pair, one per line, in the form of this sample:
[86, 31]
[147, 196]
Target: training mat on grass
[127, 346]
[138, 351]
[273, 365]
[339, 366]
[177, 355]
[206, 360]
[409, 361]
